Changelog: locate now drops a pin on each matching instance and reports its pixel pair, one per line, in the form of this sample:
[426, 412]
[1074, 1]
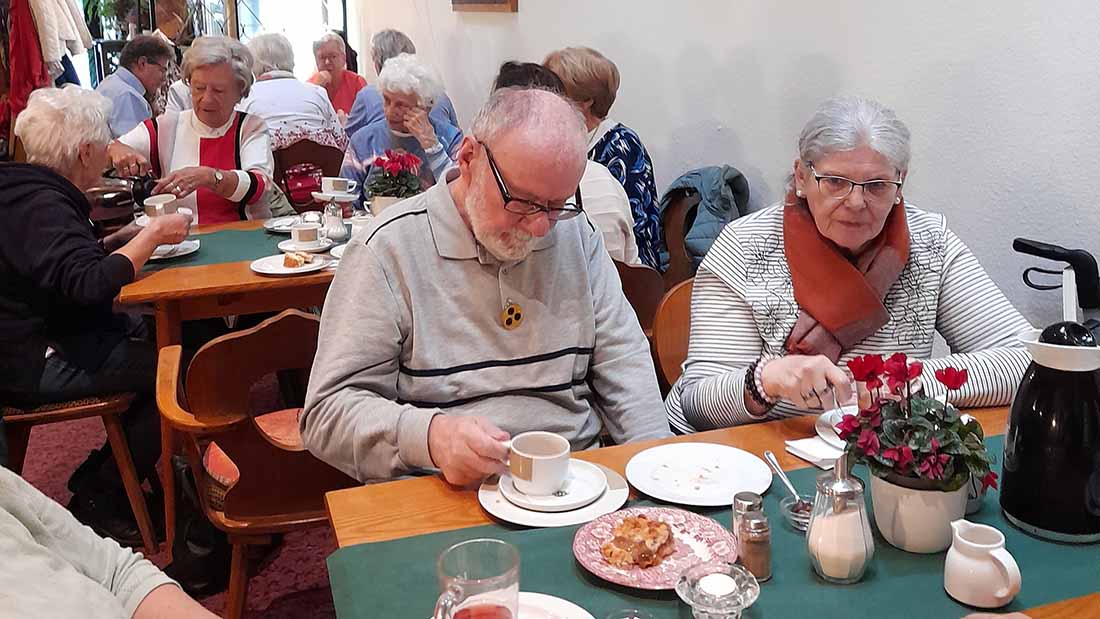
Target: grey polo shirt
[412, 328]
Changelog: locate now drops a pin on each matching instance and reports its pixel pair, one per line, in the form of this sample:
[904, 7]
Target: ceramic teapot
[978, 570]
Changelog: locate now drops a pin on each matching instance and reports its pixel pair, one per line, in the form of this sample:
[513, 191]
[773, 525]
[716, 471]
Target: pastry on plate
[295, 259]
[638, 542]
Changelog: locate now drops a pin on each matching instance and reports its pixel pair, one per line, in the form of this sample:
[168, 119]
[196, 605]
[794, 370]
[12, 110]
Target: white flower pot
[916, 521]
[379, 203]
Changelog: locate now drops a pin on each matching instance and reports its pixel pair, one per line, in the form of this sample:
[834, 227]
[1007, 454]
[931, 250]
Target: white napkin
[815, 451]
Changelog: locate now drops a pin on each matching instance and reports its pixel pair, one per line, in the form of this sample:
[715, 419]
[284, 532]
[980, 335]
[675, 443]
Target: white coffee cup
[538, 462]
[160, 204]
[306, 234]
[336, 184]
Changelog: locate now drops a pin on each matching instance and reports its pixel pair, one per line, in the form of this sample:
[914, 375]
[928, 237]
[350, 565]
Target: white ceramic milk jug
[978, 570]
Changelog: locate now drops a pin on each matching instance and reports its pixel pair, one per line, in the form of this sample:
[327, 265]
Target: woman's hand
[184, 181]
[417, 123]
[127, 161]
[805, 381]
[168, 229]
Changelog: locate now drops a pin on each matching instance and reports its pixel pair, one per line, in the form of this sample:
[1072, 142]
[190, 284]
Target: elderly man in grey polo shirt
[485, 307]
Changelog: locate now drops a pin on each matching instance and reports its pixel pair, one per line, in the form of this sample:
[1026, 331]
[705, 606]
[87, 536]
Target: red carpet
[294, 585]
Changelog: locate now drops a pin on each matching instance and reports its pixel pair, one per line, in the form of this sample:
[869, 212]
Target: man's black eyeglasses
[520, 206]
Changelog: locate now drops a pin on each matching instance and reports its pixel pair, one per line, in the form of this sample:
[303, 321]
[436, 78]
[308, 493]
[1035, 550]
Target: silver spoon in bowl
[800, 504]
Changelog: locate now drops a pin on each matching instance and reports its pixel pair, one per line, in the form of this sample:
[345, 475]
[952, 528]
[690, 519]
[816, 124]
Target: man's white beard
[510, 246]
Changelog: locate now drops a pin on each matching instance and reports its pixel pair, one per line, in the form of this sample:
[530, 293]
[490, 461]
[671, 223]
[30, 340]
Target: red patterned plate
[696, 538]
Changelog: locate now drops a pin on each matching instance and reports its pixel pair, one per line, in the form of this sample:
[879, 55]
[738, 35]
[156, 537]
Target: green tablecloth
[225, 246]
[397, 578]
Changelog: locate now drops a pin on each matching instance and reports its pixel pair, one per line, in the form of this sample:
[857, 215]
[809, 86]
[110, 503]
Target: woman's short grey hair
[388, 44]
[846, 123]
[330, 37]
[207, 51]
[58, 121]
[271, 52]
[405, 73]
[518, 107]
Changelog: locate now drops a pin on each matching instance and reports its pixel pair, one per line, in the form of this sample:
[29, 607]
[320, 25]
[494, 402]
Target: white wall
[1003, 99]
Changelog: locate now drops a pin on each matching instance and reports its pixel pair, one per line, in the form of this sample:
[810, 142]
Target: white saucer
[338, 251]
[164, 252]
[699, 474]
[612, 499]
[143, 219]
[273, 265]
[826, 425]
[584, 483]
[289, 245]
[335, 196]
[542, 606]
[281, 225]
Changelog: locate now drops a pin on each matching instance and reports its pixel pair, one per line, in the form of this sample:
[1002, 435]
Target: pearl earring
[798, 192]
[897, 200]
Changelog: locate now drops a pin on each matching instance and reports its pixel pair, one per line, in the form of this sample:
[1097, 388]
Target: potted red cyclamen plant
[394, 178]
[921, 452]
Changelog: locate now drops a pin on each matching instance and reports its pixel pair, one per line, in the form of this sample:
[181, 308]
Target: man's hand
[417, 123]
[466, 449]
[324, 78]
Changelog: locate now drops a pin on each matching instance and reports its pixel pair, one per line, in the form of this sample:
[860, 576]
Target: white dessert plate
[273, 265]
[699, 474]
[165, 252]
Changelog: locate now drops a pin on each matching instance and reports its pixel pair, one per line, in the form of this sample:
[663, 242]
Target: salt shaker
[743, 503]
[755, 545]
[839, 534]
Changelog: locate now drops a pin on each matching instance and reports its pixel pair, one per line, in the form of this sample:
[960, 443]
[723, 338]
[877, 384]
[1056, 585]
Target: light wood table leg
[169, 333]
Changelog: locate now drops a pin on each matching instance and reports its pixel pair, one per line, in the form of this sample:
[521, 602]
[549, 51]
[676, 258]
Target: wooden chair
[18, 423]
[682, 207]
[256, 479]
[329, 159]
[671, 328]
[644, 288]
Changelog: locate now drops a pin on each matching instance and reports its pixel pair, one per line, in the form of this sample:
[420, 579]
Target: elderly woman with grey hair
[409, 89]
[293, 110]
[59, 336]
[844, 267]
[387, 44]
[216, 159]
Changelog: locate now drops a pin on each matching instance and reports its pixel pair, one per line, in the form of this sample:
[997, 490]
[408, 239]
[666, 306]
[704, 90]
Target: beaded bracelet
[755, 385]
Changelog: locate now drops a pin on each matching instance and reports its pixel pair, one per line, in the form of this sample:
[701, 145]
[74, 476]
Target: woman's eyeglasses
[519, 206]
[838, 187]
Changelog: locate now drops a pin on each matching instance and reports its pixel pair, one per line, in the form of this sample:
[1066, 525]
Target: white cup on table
[307, 235]
[538, 462]
[337, 184]
[161, 204]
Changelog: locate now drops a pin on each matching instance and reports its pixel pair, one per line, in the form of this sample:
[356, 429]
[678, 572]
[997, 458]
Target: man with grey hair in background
[387, 44]
[331, 54]
[143, 68]
[478, 310]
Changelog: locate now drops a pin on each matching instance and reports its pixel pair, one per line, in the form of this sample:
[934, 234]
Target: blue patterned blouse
[622, 152]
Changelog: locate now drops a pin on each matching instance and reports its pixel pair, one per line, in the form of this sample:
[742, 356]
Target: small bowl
[741, 590]
[798, 521]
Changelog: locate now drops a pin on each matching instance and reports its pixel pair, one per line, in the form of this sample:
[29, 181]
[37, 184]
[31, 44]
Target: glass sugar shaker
[839, 534]
[334, 222]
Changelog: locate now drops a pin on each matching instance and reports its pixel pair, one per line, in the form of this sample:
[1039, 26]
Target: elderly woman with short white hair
[216, 159]
[844, 267]
[59, 336]
[409, 90]
[293, 110]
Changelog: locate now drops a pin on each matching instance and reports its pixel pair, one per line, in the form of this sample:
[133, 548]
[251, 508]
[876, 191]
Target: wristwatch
[218, 178]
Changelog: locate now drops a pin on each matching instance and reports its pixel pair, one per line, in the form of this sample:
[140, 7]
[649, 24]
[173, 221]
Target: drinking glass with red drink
[479, 579]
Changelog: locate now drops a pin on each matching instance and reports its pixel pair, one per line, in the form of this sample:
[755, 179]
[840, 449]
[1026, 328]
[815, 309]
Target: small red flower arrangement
[395, 175]
[905, 435]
